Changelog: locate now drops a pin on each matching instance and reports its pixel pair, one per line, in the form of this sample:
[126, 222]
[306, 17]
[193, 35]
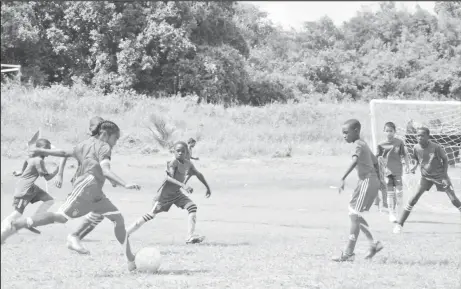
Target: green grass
[233, 133]
[274, 225]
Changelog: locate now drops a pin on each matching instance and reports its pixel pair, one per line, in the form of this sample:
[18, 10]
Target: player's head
[389, 129]
[351, 130]
[180, 150]
[43, 143]
[422, 135]
[108, 132]
[94, 121]
[191, 142]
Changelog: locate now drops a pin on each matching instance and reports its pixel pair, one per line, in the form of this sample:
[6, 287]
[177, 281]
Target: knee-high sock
[366, 230]
[11, 217]
[191, 220]
[139, 222]
[399, 201]
[391, 201]
[353, 234]
[88, 224]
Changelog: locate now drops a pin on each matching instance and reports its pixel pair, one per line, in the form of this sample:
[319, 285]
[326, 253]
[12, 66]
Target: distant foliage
[230, 53]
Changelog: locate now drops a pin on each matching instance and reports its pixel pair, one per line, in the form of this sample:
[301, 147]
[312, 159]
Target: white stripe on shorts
[75, 193]
[111, 213]
[362, 195]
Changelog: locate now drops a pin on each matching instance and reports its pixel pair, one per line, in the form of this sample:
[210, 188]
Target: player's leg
[391, 197]
[88, 224]
[106, 208]
[423, 186]
[449, 190]
[185, 203]
[398, 194]
[19, 205]
[45, 198]
[159, 206]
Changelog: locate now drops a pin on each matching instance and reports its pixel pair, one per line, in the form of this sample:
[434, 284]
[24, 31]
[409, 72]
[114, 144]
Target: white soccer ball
[148, 260]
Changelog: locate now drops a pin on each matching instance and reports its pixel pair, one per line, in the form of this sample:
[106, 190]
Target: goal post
[443, 118]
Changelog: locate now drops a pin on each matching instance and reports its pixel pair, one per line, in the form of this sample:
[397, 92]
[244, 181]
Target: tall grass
[275, 130]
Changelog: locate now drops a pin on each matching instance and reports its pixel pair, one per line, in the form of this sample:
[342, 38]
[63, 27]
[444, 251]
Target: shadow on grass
[181, 272]
[90, 241]
[442, 262]
[433, 222]
[216, 244]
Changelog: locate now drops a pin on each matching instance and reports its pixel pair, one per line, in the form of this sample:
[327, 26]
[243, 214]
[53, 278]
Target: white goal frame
[10, 68]
[374, 102]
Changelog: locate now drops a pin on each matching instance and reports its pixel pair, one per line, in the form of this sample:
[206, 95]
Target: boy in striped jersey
[367, 167]
[170, 193]
[434, 171]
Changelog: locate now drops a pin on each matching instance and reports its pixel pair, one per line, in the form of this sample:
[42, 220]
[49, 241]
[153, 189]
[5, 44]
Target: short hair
[43, 143]
[94, 121]
[180, 143]
[191, 140]
[106, 125]
[354, 124]
[390, 124]
[425, 129]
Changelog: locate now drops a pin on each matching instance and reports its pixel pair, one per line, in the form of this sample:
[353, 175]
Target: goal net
[443, 118]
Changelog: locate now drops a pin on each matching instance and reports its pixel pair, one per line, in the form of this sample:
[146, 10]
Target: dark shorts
[86, 197]
[393, 182]
[33, 195]
[427, 185]
[364, 195]
[163, 204]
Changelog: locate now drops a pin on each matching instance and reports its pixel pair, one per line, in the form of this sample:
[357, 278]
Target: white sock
[192, 221]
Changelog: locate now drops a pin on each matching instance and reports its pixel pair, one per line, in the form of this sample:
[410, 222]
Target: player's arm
[42, 171]
[62, 153]
[199, 175]
[18, 173]
[62, 165]
[379, 151]
[444, 158]
[104, 156]
[414, 156]
[376, 164]
[404, 154]
[350, 168]
[195, 159]
[171, 170]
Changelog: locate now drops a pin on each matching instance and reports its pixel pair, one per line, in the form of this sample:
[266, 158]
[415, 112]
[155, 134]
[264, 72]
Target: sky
[294, 13]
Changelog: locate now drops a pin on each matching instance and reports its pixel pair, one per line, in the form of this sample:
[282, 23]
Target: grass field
[270, 223]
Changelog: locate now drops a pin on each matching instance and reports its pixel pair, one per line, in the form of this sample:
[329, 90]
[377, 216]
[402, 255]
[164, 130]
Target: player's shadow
[433, 222]
[416, 263]
[181, 272]
[90, 241]
[217, 244]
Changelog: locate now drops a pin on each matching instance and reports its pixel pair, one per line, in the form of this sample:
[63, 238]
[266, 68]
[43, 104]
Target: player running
[365, 193]
[94, 155]
[170, 193]
[434, 170]
[392, 150]
[27, 191]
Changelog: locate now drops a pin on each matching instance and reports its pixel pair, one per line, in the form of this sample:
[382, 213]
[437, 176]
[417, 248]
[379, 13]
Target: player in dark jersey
[94, 154]
[170, 193]
[365, 193]
[434, 171]
[26, 191]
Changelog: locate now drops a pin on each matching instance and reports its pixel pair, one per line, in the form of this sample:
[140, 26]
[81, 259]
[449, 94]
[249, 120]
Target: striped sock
[406, 212]
[91, 221]
[141, 221]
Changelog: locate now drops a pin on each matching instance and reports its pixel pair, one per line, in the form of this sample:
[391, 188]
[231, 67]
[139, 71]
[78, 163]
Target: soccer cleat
[397, 229]
[131, 266]
[392, 218]
[374, 249]
[73, 243]
[195, 239]
[7, 231]
[344, 258]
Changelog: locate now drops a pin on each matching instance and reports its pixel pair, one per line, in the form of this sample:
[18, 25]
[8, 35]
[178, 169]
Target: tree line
[231, 53]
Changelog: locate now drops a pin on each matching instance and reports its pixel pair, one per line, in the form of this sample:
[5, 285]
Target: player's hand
[132, 187]
[114, 184]
[413, 170]
[208, 194]
[342, 183]
[188, 189]
[445, 183]
[17, 173]
[58, 182]
[407, 170]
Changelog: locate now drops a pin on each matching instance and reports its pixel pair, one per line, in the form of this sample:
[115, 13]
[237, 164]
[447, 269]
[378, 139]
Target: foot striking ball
[148, 260]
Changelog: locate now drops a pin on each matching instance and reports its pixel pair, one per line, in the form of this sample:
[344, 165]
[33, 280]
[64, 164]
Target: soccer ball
[148, 260]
